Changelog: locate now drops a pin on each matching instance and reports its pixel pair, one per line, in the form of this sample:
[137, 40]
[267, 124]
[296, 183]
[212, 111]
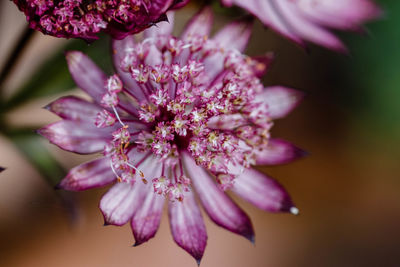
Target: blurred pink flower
[310, 20]
[178, 113]
[85, 19]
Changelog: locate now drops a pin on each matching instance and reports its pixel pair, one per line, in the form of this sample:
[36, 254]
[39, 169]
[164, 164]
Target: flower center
[183, 106]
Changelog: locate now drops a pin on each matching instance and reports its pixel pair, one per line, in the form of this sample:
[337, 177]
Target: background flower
[85, 19]
[310, 20]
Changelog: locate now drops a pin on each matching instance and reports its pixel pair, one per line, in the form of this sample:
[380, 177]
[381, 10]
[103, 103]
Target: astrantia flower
[85, 18]
[182, 115]
[310, 20]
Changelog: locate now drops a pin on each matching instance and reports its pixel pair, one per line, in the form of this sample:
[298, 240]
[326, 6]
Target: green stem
[13, 58]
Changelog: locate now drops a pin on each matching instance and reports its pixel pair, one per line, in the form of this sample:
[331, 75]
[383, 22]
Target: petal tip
[251, 238]
[73, 58]
[139, 242]
[299, 153]
[47, 107]
[41, 131]
[295, 211]
[58, 186]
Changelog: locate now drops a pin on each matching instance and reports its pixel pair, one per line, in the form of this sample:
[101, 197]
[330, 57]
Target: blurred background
[347, 189]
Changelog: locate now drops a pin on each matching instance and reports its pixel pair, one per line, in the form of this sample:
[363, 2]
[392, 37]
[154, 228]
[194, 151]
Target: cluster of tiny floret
[85, 18]
[216, 117]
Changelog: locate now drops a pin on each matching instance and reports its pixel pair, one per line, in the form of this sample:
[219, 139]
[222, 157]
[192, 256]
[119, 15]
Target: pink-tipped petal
[187, 226]
[339, 14]
[278, 151]
[280, 100]
[74, 108]
[310, 20]
[86, 74]
[235, 35]
[120, 49]
[146, 220]
[221, 209]
[262, 191]
[119, 203]
[307, 29]
[76, 136]
[92, 174]
[200, 24]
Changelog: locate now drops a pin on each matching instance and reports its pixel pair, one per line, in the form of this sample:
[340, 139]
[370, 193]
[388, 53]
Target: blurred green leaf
[53, 76]
[367, 82]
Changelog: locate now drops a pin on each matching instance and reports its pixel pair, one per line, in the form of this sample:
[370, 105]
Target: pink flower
[86, 18]
[201, 114]
[310, 20]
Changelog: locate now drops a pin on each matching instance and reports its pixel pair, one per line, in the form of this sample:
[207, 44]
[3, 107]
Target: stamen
[117, 115]
[119, 179]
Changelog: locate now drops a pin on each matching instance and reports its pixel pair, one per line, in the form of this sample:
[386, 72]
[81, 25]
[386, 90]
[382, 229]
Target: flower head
[310, 20]
[86, 18]
[200, 114]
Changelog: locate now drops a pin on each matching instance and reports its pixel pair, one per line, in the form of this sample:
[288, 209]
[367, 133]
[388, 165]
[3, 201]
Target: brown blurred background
[347, 190]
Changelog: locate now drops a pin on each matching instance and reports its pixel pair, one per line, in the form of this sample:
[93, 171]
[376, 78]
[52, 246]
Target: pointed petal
[120, 49]
[119, 203]
[76, 136]
[280, 100]
[235, 35]
[200, 24]
[262, 191]
[86, 74]
[278, 151]
[161, 28]
[221, 209]
[146, 220]
[74, 108]
[124, 200]
[187, 226]
[92, 174]
[267, 13]
[339, 14]
[305, 28]
[226, 121]
[147, 217]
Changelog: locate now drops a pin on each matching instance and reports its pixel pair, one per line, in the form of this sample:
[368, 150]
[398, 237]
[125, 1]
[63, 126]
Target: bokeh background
[347, 189]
